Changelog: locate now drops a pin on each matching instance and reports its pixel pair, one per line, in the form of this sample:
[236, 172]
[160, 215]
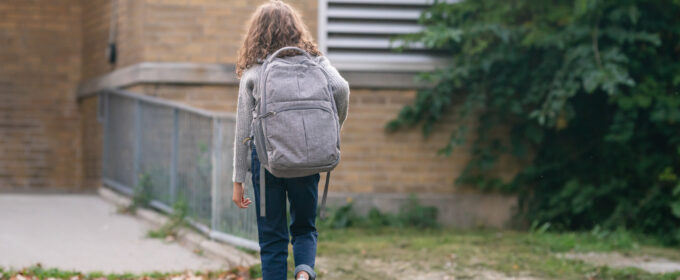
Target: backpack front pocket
[301, 136]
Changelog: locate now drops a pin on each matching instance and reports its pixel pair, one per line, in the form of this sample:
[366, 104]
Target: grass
[393, 253]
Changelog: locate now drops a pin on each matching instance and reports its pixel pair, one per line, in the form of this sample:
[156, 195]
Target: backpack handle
[276, 53]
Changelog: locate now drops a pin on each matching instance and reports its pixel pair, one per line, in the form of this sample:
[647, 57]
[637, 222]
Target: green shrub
[141, 196]
[341, 217]
[176, 220]
[589, 92]
[413, 214]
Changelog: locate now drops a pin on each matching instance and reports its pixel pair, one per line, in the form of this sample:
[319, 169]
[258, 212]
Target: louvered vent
[355, 35]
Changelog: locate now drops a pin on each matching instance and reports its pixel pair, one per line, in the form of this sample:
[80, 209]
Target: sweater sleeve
[340, 88]
[244, 107]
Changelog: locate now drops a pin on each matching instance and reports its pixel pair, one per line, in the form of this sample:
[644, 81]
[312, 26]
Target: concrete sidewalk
[83, 232]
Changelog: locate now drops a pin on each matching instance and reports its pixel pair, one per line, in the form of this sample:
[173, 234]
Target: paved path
[83, 232]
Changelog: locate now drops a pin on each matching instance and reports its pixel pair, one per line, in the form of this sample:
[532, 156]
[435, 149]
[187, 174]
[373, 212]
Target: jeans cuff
[305, 268]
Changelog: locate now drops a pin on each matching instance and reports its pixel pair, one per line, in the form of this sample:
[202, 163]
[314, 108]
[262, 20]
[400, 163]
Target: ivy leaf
[633, 14]
[676, 191]
[534, 134]
[592, 80]
[675, 209]
[643, 100]
[668, 175]
[625, 102]
[676, 79]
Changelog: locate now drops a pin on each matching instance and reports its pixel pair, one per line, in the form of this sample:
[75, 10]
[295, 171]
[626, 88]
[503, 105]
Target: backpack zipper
[266, 115]
[272, 113]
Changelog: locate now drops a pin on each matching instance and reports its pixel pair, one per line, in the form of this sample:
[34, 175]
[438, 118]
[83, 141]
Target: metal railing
[173, 151]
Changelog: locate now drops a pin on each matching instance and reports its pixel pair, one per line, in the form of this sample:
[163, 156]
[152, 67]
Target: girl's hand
[238, 198]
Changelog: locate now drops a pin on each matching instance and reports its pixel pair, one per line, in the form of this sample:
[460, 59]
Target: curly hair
[273, 25]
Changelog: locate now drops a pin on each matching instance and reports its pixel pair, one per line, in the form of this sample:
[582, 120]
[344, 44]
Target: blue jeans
[272, 230]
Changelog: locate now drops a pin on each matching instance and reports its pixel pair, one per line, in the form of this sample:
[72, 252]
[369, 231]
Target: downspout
[111, 50]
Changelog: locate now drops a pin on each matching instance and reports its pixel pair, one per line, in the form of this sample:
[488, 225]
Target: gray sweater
[248, 97]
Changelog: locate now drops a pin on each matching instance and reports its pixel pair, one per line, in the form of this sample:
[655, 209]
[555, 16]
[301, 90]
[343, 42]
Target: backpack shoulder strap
[322, 212]
[263, 204]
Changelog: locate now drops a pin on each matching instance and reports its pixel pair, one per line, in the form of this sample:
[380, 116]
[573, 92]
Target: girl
[275, 25]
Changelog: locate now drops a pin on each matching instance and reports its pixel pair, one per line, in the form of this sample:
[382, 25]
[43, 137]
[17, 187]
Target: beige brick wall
[91, 143]
[96, 22]
[376, 161]
[203, 30]
[96, 17]
[131, 33]
[208, 31]
[40, 68]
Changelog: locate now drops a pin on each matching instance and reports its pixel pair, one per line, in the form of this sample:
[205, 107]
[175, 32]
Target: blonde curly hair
[273, 25]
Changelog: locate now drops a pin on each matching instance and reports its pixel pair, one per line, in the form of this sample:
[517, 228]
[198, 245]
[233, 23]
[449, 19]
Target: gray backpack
[296, 128]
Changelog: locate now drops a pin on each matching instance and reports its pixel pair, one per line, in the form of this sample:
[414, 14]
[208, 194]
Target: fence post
[137, 142]
[173, 162]
[216, 153]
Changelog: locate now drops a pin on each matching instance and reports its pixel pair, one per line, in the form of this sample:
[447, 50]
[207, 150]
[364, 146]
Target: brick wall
[96, 16]
[40, 68]
[131, 33]
[376, 161]
[203, 30]
[207, 31]
[96, 22]
[91, 143]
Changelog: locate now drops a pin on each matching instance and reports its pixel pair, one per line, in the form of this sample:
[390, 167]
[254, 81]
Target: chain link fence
[174, 152]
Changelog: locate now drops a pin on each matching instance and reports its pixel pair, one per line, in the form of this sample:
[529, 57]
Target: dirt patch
[648, 263]
[373, 268]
